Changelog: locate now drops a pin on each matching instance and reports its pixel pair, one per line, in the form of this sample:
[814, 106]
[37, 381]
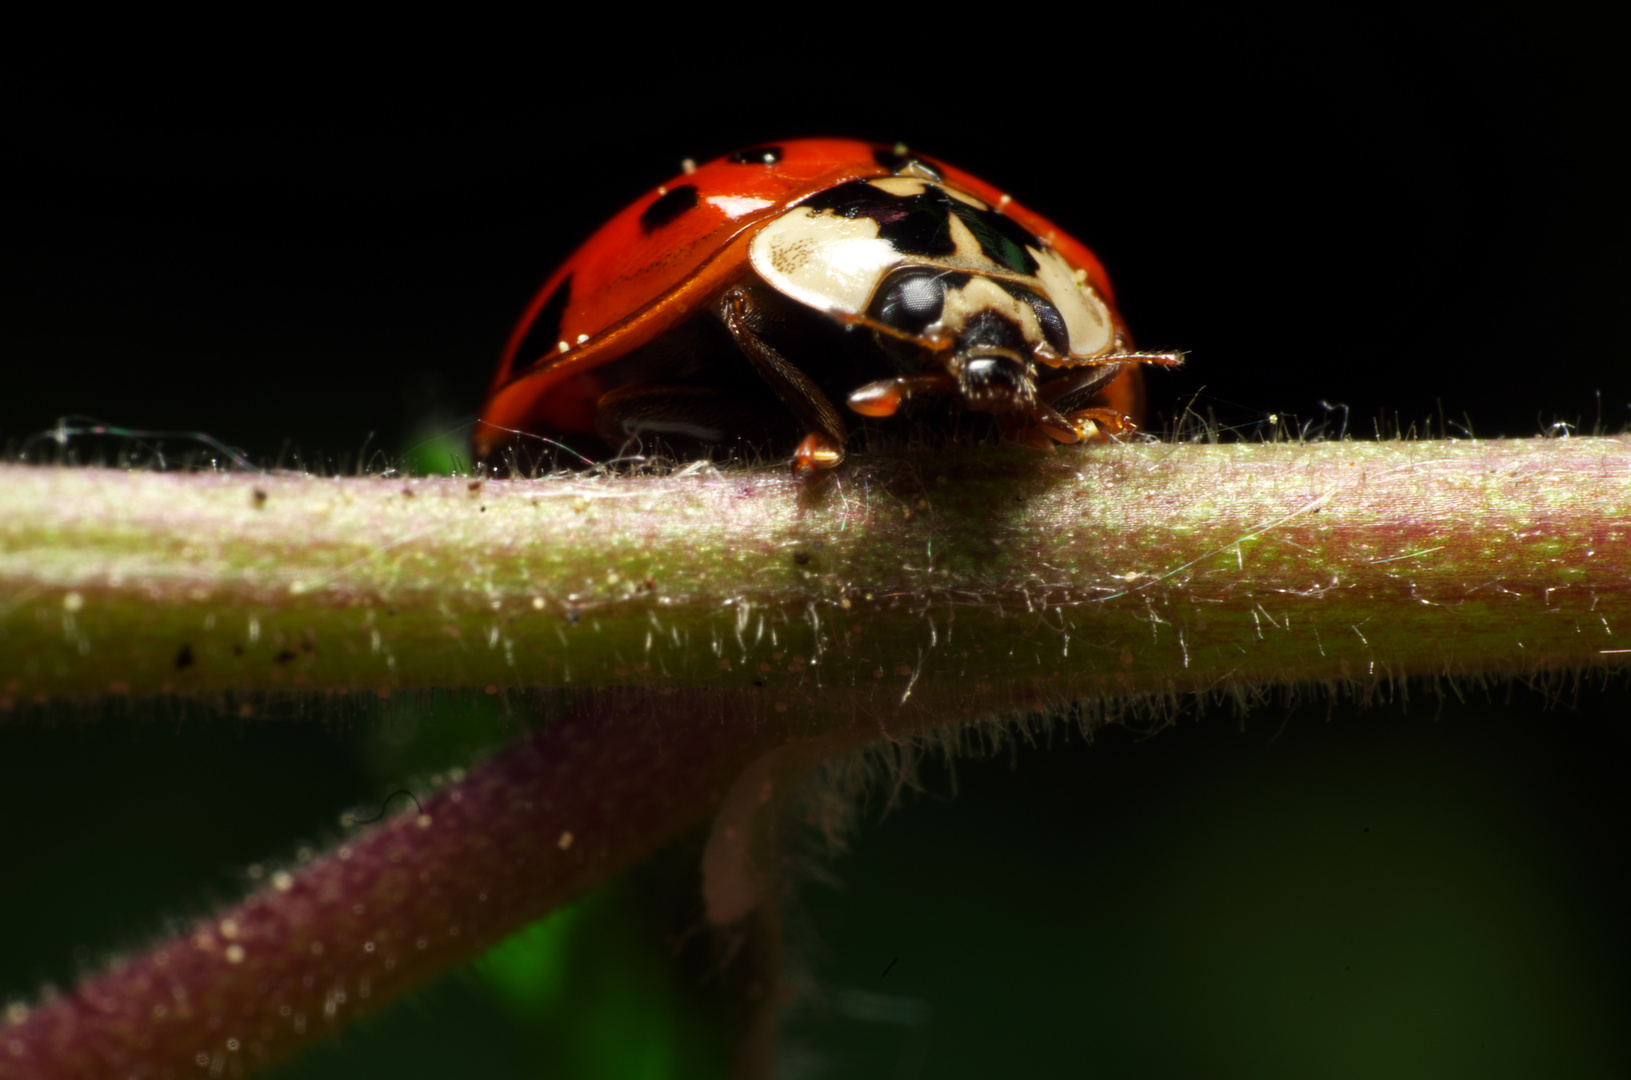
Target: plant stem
[720, 621]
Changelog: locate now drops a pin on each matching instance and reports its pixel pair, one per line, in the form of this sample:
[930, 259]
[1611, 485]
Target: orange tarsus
[816, 452]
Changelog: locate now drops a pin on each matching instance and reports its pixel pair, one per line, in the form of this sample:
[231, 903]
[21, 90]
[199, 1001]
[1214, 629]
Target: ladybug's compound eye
[912, 301]
[1048, 319]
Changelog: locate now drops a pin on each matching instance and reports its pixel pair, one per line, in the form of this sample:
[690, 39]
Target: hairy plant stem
[717, 632]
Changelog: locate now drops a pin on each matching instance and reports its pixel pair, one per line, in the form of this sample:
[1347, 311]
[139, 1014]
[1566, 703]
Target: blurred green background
[1428, 891]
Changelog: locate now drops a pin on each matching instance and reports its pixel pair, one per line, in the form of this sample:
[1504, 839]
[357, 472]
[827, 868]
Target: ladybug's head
[964, 298]
[993, 335]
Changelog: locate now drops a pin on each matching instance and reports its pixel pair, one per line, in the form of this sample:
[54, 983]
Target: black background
[297, 238]
[292, 236]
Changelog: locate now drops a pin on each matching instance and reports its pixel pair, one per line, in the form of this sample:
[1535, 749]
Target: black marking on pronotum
[387, 802]
[911, 224]
[757, 155]
[668, 206]
[1002, 238]
[920, 224]
[544, 335]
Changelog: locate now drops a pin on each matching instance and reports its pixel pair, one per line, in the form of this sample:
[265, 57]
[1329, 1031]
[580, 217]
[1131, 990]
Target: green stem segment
[717, 618]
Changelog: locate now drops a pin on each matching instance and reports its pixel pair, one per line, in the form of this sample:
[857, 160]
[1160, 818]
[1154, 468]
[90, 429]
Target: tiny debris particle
[565, 842]
[259, 497]
[235, 953]
[72, 602]
[473, 487]
[801, 557]
[184, 658]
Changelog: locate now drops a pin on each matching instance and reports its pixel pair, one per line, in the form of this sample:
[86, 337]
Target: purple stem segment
[403, 901]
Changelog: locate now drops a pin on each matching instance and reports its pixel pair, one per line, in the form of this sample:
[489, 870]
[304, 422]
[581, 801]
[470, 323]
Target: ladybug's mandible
[744, 298]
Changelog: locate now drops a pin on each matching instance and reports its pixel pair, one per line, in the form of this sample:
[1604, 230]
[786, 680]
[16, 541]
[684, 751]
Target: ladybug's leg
[823, 444]
[1092, 423]
[1098, 424]
[886, 396]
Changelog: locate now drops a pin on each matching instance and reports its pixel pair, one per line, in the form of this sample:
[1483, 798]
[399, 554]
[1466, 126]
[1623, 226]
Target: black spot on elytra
[891, 160]
[668, 206]
[184, 658]
[757, 155]
[542, 336]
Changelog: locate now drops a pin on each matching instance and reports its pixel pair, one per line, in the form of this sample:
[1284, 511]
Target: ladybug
[743, 299]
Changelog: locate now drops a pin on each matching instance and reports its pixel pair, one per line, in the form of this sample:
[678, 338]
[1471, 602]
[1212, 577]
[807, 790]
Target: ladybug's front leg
[823, 444]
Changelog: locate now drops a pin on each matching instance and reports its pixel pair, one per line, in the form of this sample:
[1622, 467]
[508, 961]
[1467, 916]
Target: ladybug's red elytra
[743, 298]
